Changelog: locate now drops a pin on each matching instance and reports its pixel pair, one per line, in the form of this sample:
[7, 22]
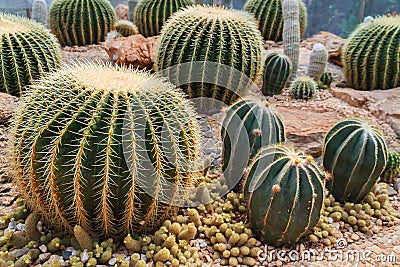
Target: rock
[122, 11]
[44, 256]
[43, 248]
[355, 237]
[8, 104]
[66, 254]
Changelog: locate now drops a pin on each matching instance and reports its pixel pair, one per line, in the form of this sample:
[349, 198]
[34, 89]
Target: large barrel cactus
[105, 148]
[277, 69]
[354, 155]
[81, 22]
[150, 15]
[371, 55]
[27, 52]
[268, 13]
[284, 193]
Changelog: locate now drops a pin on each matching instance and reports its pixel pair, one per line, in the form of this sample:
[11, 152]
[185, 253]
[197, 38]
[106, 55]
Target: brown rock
[7, 105]
[122, 12]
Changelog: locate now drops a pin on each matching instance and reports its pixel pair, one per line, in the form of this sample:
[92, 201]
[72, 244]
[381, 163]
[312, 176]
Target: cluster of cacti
[268, 13]
[125, 28]
[284, 194]
[392, 168]
[150, 15]
[104, 147]
[28, 51]
[354, 154]
[303, 87]
[318, 60]
[325, 81]
[81, 22]
[370, 55]
[40, 12]
[277, 69]
[220, 64]
[291, 33]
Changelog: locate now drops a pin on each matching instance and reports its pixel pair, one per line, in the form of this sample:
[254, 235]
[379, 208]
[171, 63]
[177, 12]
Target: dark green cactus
[371, 56]
[277, 69]
[392, 168]
[27, 52]
[284, 194]
[354, 155]
[269, 15]
[125, 28]
[105, 148]
[150, 15]
[81, 22]
[303, 87]
[326, 80]
[40, 11]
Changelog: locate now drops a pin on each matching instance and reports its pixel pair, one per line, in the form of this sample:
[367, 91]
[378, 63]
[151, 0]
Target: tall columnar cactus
[277, 69]
[27, 51]
[303, 87]
[40, 11]
[371, 56]
[291, 32]
[81, 22]
[105, 148]
[150, 15]
[284, 194]
[220, 63]
[318, 60]
[354, 155]
[392, 168]
[249, 124]
[268, 13]
[125, 28]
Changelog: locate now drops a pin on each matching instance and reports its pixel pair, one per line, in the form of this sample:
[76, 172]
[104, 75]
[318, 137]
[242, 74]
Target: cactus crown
[12, 24]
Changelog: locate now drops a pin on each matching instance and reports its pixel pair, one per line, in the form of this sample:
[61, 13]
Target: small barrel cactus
[303, 87]
[27, 51]
[268, 13]
[81, 22]
[291, 33]
[284, 193]
[326, 80]
[354, 154]
[105, 148]
[40, 11]
[125, 28]
[371, 57]
[318, 60]
[392, 168]
[249, 124]
[277, 69]
[150, 15]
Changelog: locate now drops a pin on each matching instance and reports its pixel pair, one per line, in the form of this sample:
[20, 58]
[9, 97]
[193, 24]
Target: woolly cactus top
[304, 79]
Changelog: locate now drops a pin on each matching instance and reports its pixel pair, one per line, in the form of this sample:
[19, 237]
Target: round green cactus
[269, 15]
[125, 28]
[371, 56]
[27, 52]
[105, 148]
[354, 155]
[326, 80]
[284, 194]
[392, 168]
[303, 87]
[277, 69]
[150, 15]
[81, 22]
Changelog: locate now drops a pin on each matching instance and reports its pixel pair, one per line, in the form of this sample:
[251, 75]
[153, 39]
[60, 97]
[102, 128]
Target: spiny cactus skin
[284, 194]
[150, 15]
[326, 79]
[291, 32]
[71, 163]
[126, 28]
[318, 60]
[193, 34]
[40, 11]
[371, 56]
[248, 121]
[354, 154]
[269, 15]
[392, 168]
[303, 87]
[277, 69]
[81, 22]
[27, 51]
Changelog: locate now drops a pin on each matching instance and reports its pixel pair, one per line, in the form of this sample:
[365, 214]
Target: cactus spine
[104, 147]
[392, 168]
[318, 60]
[277, 69]
[284, 194]
[326, 79]
[81, 22]
[126, 28]
[291, 32]
[354, 154]
[303, 87]
[40, 12]
[27, 52]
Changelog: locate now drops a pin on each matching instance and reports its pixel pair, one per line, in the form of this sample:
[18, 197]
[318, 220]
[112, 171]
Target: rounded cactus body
[326, 79]
[249, 124]
[150, 15]
[392, 168]
[371, 55]
[81, 22]
[125, 28]
[303, 87]
[40, 11]
[105, 148]
[27, 52]
[284, 194]
[277, 69]
[268, 13]
[354, 154]
[318, 60]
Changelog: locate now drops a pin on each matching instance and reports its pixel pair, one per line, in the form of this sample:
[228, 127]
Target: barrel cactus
[371, 55]
[326, 80]
[105, 148]
[354, 155]
[125, 28]
[277, 69]
[27, 51]
[150, 15]
[303, 87]
[81, 22]
[392, 168]
[220, 64]
[291, 33]
[318, 60]
[40, 11]
[284, 193]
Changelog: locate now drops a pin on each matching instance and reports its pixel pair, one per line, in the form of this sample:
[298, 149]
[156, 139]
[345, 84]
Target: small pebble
[66, 254]
[44, 256]
[19, 252]
[20, 227]
[85, 256]
[355, 237]
[43, 248]
[113, 261]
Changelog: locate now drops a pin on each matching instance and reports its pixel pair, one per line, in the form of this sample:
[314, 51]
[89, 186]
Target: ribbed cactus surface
[318, 60]
[81, 22]
[105, 148]
[27, 52]
[326, 79]
[371, 55]
[125, 28]
[284, 194]
[354, 153]
[277, 69]
[291, 33]
[40, 11]
[392, 168]
[150, 15]
[303, 87]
